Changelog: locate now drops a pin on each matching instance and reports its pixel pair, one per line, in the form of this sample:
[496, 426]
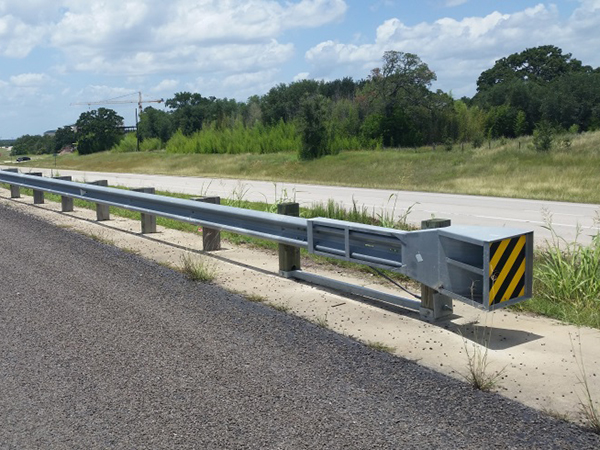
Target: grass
[381, 347]
[567, 281]
[280, 307]
[99, 237]
[255, 298]
[507, 168]
[197, 269]
[479, 374]
[321, 321]
[590, 409]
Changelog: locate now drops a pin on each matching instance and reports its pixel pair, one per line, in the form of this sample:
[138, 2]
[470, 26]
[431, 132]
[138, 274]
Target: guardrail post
[66, 203]
[15, 190]
[434, 305]
[38, 196]
[102, 211]
[289, 256]
[148, 220]
[211, 237]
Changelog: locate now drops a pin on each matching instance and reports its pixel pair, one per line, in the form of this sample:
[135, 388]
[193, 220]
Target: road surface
[569, 219]
[102, 349]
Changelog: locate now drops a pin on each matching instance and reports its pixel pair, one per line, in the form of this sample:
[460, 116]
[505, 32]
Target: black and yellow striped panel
[507, 269]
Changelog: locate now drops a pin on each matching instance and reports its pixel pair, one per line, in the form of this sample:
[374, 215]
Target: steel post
[211, 237]
[289, 256]
[102, 211]
[66, 203]
[38, 196]
[15, 189]
[148, 220]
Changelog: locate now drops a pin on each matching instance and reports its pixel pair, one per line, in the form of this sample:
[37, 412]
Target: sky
[54, 53]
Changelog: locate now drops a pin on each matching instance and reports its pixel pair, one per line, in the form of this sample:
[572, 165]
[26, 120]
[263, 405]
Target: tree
[397, 100]
[188, 114]
[155, 123]
[537, 65]
[32, 145]
[573, 100]
[64, 136]
[543, 136]
[98, 130]
[315, 138]
[520, 124]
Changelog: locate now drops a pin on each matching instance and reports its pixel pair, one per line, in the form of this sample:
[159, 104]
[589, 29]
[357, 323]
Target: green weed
[479, 374]
[381, 347]
[197, 269]
[567, 280]
[590, 409]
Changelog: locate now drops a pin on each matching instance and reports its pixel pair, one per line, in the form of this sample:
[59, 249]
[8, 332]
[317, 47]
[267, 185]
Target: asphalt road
[102, 349]
[568, 219]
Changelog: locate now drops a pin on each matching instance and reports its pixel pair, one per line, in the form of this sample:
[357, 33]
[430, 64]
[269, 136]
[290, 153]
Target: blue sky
[57, 52]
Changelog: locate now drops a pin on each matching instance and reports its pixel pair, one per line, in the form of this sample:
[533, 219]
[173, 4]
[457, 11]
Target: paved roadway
[462, 209]
[101, 349]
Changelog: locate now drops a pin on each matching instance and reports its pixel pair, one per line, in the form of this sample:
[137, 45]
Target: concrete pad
[539, 359]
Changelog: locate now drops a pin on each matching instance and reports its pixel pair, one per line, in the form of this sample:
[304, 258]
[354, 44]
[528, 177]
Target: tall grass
[239, 139]
[129, 144]
[567, 281]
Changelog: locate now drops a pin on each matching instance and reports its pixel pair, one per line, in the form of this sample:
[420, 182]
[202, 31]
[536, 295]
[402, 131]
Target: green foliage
[63, 137]
[98, 130]
[127, 144]
[543, 137]
[501, 121]
[393, 107]
[535, 65]
[33, 145]
[198, 269]
[520, 124]
[152, 144]
[449, 144]
[155, 124]
[313, 128]
[567, 281]
[238, 139]
[477, 140]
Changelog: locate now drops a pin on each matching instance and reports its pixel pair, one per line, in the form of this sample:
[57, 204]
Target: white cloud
[459, 50]
[148, 36]
[29, 80]
[17, 38]
[301, 76]
[166, 85]
[243, 84]
[99, 93]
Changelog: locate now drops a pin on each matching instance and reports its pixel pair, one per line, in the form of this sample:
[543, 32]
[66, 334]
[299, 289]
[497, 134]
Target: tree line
[540, 88]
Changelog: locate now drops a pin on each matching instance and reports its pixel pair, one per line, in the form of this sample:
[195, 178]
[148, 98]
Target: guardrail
[487, 267]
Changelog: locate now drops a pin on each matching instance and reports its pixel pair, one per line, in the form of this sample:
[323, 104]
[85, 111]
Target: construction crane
[117, 101]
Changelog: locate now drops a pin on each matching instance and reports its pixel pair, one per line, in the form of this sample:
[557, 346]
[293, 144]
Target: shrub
[543, 137]
[127, 144]
[477, 140]
[448, 144]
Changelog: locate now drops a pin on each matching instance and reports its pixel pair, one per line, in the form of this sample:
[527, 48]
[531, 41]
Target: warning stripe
[507, 269]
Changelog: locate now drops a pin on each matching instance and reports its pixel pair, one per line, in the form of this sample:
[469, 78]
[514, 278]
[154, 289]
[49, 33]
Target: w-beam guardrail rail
[487, 267]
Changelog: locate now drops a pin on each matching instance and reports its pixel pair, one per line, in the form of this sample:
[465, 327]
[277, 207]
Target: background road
[462, 209]
[102, 349]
